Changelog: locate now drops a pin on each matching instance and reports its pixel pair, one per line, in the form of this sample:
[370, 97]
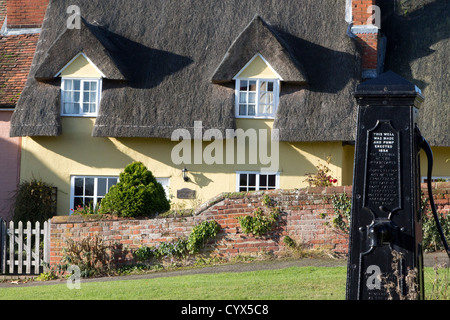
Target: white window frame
[257, 180]
[165, 182]
[258, 114]
[95, 196]
[82, 81]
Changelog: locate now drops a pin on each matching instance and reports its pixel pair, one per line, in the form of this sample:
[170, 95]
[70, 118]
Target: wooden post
[11, 247]
[29, 234]
[47, 245]
[37, 240]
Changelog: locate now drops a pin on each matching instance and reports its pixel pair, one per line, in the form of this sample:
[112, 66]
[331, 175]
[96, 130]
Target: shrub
[258, 224]
[89, 254]
[322, 178]
[136, 194]
[34, 201]
[200, 234]
[342, 207]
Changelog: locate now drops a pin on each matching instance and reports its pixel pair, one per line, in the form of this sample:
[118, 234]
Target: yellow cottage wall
[76, 152]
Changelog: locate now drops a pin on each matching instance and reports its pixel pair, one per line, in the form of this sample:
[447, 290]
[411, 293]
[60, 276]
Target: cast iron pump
[385, 245]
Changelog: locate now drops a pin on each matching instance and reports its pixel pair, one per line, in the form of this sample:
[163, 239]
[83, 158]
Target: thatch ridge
[258, 37]
[90, 40]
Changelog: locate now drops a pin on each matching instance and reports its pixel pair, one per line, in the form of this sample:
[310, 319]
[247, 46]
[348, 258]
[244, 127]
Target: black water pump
[385, 245]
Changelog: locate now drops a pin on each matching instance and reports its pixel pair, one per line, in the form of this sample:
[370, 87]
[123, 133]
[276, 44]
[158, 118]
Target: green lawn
[294, 283]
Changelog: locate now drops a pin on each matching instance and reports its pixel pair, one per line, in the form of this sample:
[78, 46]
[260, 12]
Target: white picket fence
[16, 253]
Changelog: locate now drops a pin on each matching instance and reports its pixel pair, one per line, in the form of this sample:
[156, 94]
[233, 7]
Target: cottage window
[89, 190]
[80, 97]
[256, 98]
[257, 89]
[252, 181]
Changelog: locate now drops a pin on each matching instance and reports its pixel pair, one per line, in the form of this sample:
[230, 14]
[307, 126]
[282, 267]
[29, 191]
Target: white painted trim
[365, 29]
[251, 60]
[348, 11]
[17, 32]
[258, 173]
[76, 57]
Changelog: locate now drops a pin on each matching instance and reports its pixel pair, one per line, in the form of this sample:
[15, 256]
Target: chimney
[22, 14]
[365, 23]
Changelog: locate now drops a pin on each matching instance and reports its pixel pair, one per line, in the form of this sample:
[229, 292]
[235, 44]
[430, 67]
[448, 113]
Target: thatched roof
[168, 63]
[258, 37]
[418, 49]
[90, 40]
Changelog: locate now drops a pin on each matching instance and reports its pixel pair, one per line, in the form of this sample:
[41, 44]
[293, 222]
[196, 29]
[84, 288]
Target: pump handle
[426, 147]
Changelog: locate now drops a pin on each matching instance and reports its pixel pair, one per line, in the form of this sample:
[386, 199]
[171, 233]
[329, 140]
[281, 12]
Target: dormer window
[80, 87]
[80, 97]
[257, 90]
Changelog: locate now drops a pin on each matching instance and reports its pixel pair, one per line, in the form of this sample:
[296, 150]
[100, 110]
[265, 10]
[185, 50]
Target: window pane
[76, 85]
[89, 186]
[263, 98]
[68, 96]
[252, 97]
[272, 180]
[86, 97]
[243, 85]
[94, 86]
[263, 180]
[88, 202]
[243, 179]
[243, 189]
[111, 182]
[86, 85]
[79, 186]
[251, 189]
[76, 97]
[263, 86]
[252, 85]
[252, 179]
[251, 110]
[101, 187]
[243, 97]
[68, 84]
[93, 97]
[85, 107]
[270, 86]
[77, 201]
[265, 109]
[242, 110]
[92, 108]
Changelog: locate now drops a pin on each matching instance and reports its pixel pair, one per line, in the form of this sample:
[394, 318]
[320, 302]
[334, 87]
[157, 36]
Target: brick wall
[25, 13]
[301, 219]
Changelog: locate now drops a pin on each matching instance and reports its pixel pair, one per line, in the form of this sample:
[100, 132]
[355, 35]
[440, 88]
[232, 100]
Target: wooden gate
[24, 250]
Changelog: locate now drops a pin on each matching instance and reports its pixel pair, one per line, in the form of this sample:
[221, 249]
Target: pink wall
[9, 165]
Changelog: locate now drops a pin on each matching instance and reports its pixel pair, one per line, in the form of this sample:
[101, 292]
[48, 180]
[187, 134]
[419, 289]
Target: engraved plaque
[383, 178]
[186, 194]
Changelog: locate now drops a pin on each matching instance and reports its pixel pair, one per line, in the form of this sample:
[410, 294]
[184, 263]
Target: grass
[294, 283]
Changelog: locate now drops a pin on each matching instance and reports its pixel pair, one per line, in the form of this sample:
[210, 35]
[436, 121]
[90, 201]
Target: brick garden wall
[301, 218]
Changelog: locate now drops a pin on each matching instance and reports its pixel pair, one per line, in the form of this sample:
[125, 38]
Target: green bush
[136, 194]
[259, 224]
[34, 201]
[200, 234]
